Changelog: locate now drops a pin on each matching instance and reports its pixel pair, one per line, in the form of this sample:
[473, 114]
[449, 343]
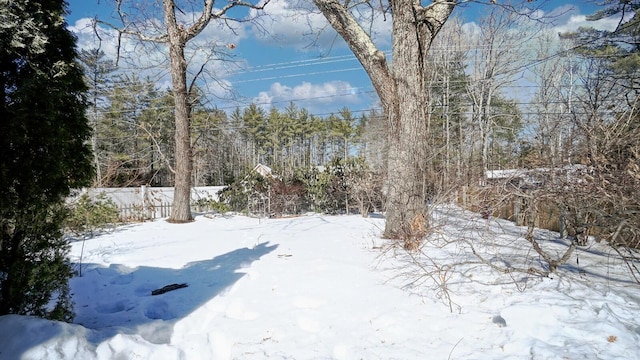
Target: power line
[298, 75]
[361, 91]
[337, 59]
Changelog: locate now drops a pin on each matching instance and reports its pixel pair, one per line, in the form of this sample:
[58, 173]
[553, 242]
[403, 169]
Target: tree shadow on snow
[118, 299]
[94, 234]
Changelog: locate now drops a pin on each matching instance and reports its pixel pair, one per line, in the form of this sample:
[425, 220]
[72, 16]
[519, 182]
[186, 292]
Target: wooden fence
[485, 201]
[140, 213]
[147, 203]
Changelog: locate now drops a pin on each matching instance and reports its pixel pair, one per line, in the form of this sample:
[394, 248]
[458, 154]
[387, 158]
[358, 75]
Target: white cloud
[576, 21]
[132, 53]
[380, 28]
[299, 25]
[471, 30]
[315, 97]
[150, 60]
[293, 24]
[568, 18]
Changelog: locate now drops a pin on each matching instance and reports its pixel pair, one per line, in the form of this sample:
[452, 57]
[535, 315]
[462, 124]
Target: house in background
[259, 196]
[263, 170]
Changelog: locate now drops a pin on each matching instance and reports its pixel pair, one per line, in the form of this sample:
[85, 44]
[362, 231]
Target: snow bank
[324, 287]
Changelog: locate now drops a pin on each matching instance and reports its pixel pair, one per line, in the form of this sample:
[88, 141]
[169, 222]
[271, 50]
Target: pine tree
[97, 69]
[45, 153]
[123, 141]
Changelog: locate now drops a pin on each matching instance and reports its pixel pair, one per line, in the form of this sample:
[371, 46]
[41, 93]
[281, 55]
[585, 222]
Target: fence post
[562, 220]
[143, 198]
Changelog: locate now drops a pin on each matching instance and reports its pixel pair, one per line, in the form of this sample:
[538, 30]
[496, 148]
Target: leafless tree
[174, 29]
[549, 132]
[401, 87]
[448, 103]
[500, 47]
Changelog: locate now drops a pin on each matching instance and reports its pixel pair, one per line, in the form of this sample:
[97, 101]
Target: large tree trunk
[181, 208]
[177, 36]
[402, 92]
[407, 136]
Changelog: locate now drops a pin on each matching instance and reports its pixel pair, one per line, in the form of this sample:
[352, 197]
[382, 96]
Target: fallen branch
[168, 288]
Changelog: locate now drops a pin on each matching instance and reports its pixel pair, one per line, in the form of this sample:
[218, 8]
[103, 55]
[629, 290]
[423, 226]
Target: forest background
[504, 87]
[508, 90]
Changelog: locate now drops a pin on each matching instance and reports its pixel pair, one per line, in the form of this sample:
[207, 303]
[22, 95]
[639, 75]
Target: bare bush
[366, 191]
[286, 198]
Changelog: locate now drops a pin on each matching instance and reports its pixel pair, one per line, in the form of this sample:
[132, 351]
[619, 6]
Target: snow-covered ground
[327, 287]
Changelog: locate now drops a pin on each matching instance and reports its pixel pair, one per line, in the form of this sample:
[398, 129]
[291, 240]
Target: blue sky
[279, 61]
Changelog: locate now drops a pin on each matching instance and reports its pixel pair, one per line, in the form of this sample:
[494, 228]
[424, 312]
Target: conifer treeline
[133, 132]
[133, 138]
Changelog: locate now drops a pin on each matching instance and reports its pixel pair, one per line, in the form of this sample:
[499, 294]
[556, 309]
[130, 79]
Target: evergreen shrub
[87, 216]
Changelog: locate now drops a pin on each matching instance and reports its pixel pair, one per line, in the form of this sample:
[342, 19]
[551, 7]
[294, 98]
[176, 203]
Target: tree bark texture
[401, 88]
[181, 210]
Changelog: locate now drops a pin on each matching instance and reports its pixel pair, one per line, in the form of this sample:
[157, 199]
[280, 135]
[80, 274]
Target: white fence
[145, 202]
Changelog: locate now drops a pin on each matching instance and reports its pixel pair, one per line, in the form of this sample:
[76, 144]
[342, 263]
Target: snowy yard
[327, 287]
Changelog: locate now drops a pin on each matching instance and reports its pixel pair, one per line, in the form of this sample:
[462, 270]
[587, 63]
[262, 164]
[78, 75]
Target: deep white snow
[327, 287]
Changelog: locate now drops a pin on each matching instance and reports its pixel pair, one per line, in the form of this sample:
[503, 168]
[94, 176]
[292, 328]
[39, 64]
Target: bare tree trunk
[401, 89]
[406, 201]
[181, 210]
[94, 146]
[177, 35]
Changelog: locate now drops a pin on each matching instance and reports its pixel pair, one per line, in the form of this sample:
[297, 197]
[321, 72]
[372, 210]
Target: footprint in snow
[112, 308]
[159, 310]
[122, 280]
[499, 320]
